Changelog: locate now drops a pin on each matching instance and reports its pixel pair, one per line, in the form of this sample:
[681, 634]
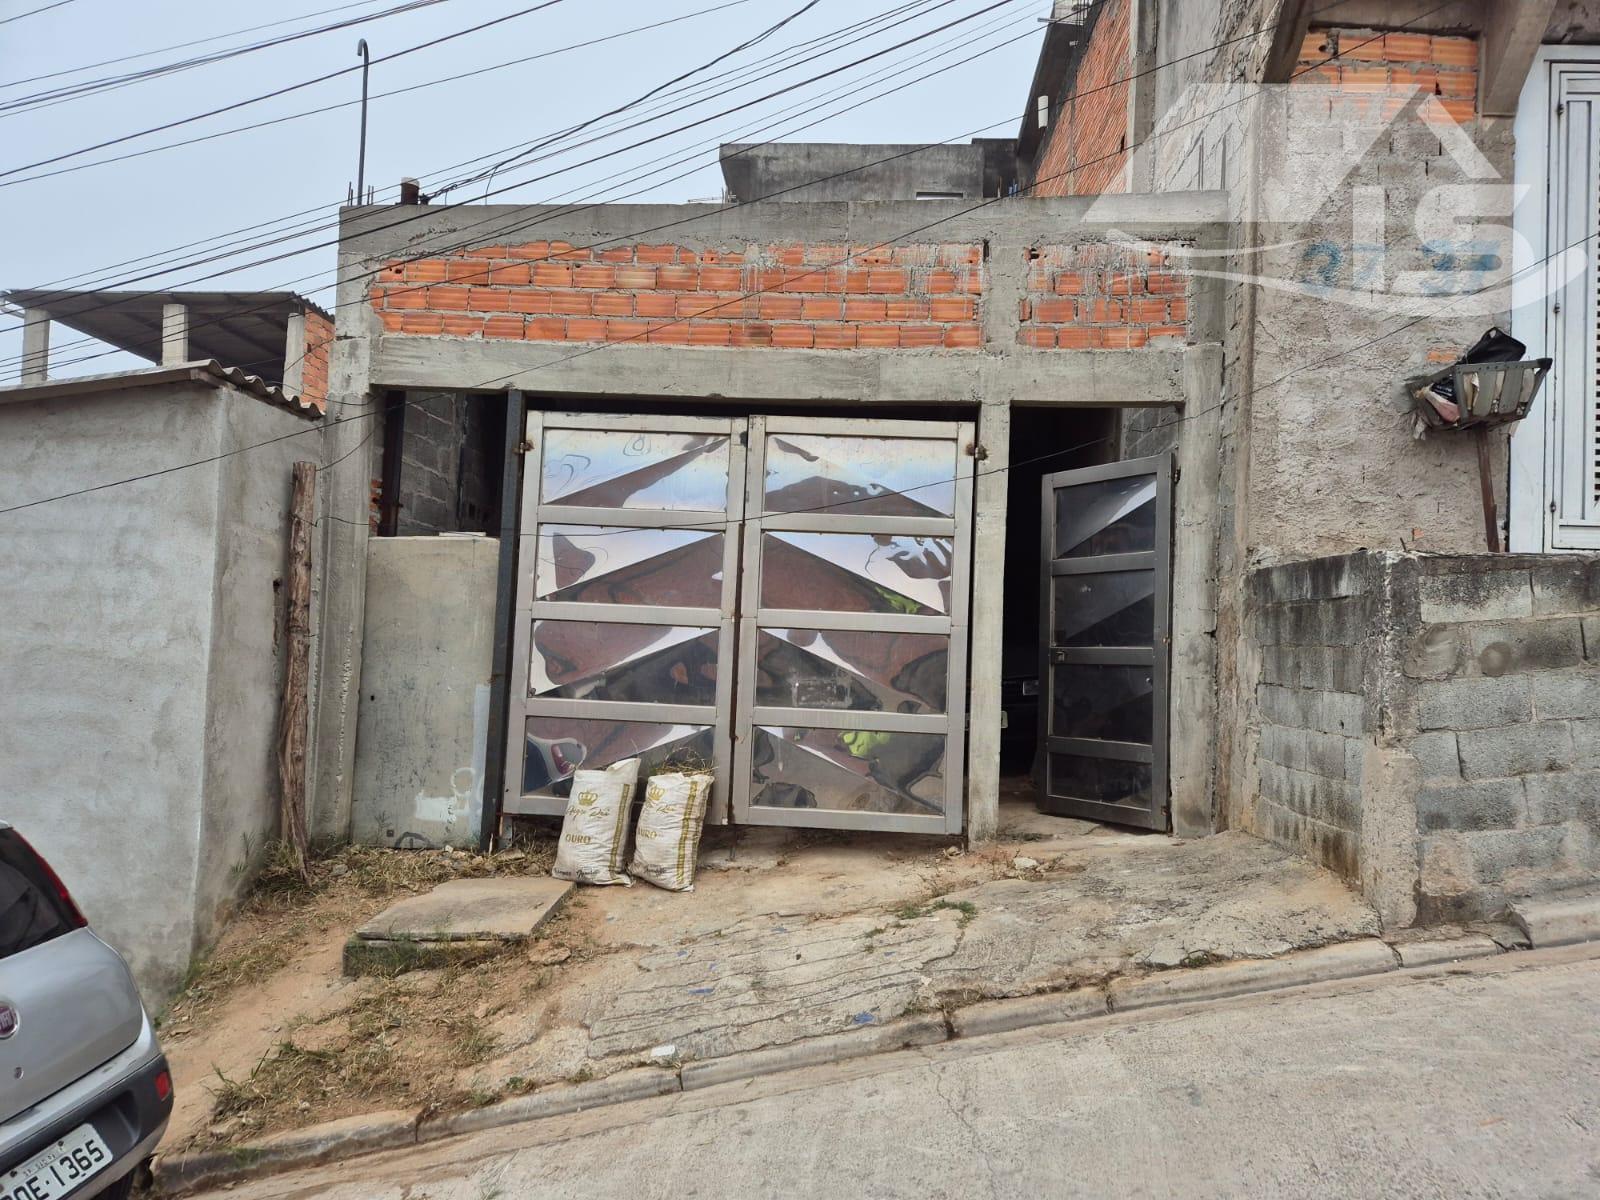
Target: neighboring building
[811, 171]
[142, 642]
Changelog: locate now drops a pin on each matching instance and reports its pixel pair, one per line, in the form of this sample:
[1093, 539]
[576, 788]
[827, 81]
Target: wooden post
[1491, 519]
[293, 707]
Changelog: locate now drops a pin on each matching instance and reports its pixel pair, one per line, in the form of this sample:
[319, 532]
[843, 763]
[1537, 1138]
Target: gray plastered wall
[141, 652]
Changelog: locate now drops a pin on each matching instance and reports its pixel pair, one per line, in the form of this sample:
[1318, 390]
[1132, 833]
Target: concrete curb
[872, 1039]
[1052, 1008]
[352, 1136]
[1558, 920]
[640, 1084]
[307, 1147]
[1345, 960]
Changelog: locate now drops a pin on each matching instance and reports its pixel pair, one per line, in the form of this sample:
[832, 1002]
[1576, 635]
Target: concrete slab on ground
[1089, 909]
[472, 910]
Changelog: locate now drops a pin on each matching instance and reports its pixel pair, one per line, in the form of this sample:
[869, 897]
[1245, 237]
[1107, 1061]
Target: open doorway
[1043, 441]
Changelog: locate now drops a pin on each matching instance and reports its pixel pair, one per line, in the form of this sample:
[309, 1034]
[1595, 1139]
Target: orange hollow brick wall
[791, 297]
[1084, 150]
[1370, 67]
[314, 367]
[1096, 297]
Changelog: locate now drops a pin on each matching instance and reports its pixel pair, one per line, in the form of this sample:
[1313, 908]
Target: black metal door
[1105, 601]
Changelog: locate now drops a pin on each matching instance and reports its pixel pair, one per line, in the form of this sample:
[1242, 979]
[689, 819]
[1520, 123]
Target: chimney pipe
[411, 191]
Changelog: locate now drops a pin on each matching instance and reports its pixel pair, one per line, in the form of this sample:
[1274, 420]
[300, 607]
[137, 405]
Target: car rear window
[30, 910]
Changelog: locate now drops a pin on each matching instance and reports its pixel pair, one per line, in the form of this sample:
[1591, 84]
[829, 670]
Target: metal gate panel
[628, 568]
[1104, 603]
[853, 625]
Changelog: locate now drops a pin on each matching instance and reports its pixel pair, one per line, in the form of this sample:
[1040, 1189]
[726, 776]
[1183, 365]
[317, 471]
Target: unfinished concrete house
[1097, 487]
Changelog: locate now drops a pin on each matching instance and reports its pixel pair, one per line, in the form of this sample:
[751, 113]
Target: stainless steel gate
[853, 625]
[852, 596]
[628, 568]
[1106, 595]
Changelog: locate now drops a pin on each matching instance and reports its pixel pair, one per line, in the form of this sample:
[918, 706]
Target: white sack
[668, 838]
[594, 833]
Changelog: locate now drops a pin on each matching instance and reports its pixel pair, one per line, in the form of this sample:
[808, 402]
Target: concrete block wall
[1310, 622]
[813, 296]
[447, 483]
[1504, 674]
[1429, 725]
[1104, 296]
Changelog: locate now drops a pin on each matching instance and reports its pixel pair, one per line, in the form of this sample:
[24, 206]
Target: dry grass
[281, 913]
[399, 1042]
[400, 1045]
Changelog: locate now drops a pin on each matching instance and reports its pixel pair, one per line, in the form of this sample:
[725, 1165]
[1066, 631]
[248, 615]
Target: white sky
[58, 229]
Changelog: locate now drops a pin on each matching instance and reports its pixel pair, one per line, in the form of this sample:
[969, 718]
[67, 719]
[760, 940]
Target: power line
[344, 104]
[744, 71]
[293, 87]
[18, 105]
[760, 291]
[107, 62]
[424, 212]
[34, 12]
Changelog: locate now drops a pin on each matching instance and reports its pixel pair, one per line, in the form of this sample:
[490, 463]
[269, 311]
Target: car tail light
[163, 1087]
[74, 913]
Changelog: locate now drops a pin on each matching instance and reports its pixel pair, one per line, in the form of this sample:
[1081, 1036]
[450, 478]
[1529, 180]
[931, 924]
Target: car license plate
[58, 1169]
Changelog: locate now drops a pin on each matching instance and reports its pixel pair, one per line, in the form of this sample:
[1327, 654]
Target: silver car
[84, 1090]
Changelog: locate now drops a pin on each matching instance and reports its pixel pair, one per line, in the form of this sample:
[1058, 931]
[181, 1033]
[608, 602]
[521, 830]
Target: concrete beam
[1294, 21]
[1512, 32]
[174, 334]
[35, 346]
[1144, 26]
[371, 236]
[1016, 375]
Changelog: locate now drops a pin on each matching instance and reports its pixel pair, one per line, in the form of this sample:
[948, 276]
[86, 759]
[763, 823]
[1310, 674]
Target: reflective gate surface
[1107, 558]
[853, 625]
[626, 583]
[852, 602]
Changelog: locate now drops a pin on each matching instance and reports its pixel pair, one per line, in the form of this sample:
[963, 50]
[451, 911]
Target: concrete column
[1143, 24]
[1512, 31]
[35, 346]
[294, 354]
[174, 335]
[1192, 673]
[988, 622]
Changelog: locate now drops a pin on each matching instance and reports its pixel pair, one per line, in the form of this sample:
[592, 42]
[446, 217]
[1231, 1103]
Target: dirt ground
[787, 934]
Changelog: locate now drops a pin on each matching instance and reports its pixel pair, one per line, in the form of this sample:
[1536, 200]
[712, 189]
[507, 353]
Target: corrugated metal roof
[203, 370]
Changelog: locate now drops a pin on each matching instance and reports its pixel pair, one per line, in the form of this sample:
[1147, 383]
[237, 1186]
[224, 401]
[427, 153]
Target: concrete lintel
[35, 346]
[1512, 32]
[174, 334]
[372, 235]
[1077, 378]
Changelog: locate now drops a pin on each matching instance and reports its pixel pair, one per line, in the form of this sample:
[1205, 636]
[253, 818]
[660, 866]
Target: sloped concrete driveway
[1073, 911]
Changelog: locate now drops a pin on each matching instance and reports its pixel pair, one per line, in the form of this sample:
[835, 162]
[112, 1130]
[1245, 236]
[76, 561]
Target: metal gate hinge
[1561, 108]
[978, 451]
[523, 448]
